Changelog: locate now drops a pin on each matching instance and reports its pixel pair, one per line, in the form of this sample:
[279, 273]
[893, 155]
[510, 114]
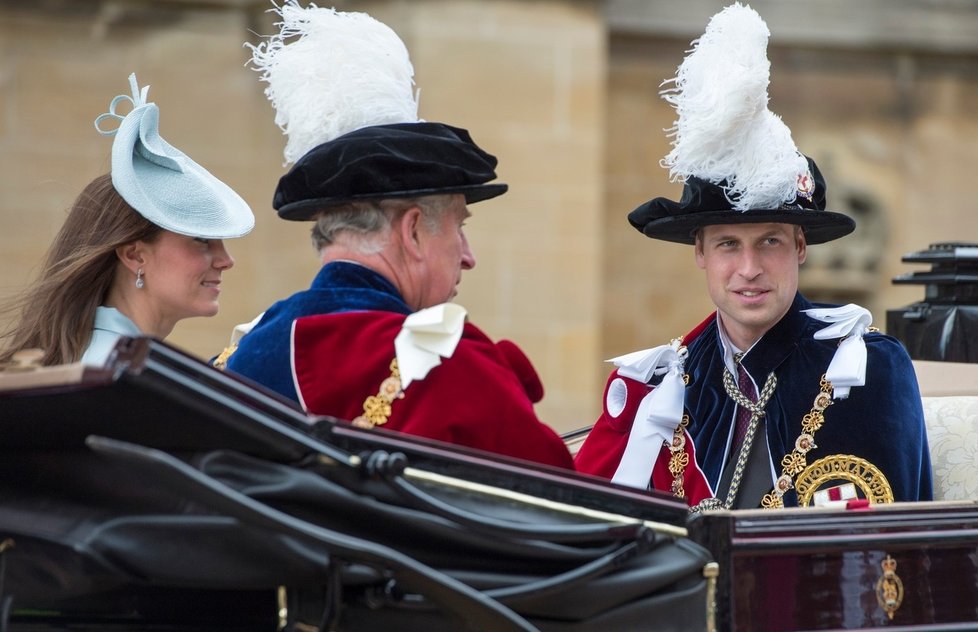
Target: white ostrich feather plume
[724, 129]
[331, 72]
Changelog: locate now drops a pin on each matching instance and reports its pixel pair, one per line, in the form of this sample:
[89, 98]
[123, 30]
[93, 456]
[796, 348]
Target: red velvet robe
[481, 397]
[604, 447]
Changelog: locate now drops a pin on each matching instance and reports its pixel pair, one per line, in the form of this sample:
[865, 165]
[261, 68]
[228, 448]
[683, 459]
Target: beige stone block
[56, 102]
[542, 58]
[458, 94]
[572, 388]
[6, 111]
[82, 72]
[563, 168]
[552, 253]
[39, 187]
[582, 71]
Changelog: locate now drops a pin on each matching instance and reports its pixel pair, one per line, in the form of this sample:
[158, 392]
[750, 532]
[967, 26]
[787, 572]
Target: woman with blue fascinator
[141, 248]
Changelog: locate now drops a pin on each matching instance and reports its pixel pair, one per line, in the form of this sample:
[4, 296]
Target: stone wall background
[564, 92]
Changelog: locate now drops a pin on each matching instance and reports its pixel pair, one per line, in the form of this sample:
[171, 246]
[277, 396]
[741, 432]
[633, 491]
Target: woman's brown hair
[57, 313]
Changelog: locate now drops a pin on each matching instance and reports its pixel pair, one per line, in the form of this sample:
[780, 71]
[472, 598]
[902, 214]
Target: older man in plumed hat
[375, 339]
[771, 401]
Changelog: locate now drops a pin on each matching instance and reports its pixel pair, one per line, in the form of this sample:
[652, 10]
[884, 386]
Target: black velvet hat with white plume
[736, 158]
[342, 86]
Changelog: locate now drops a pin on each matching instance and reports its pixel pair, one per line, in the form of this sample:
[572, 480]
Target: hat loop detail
[138, 99]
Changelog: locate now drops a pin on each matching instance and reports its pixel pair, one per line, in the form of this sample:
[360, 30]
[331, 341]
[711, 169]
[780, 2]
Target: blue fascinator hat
[162, 183]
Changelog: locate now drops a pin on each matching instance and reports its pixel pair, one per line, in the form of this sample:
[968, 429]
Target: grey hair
[368, 222]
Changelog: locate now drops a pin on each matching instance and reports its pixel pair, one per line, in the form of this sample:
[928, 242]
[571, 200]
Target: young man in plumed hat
[771, 401]
[375, 339]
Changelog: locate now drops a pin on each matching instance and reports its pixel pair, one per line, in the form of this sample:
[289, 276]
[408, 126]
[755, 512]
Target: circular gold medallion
[868, 478]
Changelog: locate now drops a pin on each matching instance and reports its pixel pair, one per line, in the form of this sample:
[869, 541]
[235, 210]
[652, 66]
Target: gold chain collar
[795, 461]
[377, 408]
[792, 464]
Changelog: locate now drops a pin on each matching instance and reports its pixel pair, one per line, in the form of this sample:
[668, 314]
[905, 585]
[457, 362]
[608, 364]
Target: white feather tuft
[724, 129]
[331, 72]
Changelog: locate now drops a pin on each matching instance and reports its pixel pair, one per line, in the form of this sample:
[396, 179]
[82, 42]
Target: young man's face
[751, 274]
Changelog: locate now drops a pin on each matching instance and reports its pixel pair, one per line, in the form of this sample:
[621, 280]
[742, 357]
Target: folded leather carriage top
[159, 493]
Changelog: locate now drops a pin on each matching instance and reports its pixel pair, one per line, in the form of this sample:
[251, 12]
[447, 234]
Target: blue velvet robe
[882, 421]
[264, 354]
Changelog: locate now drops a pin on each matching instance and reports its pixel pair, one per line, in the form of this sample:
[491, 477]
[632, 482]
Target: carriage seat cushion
[952, 431]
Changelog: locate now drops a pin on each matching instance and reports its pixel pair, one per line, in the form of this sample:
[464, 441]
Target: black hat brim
[705, 203]
[378, 162]
[304, 210]
[819, 226]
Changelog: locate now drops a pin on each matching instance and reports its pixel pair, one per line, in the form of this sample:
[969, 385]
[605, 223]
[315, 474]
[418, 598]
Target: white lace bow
[426, 337]
[659, 412]
[848, 366]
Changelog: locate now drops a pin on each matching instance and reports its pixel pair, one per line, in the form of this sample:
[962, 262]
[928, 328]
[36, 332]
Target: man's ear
[410, 228]
[132, 255]
[802, 245]
[698, 250]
